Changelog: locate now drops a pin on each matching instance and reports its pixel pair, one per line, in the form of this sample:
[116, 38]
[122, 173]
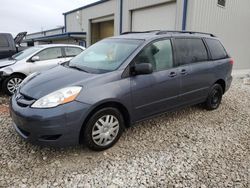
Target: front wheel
[103, 129]
[11, 84]
[214, 97]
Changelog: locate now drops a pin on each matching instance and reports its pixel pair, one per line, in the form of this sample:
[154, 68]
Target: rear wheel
[104, 129]
[214, 98]
[11, 84]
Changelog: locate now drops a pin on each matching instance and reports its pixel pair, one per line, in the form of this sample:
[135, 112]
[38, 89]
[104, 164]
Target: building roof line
[86, 6]
[57, 36]
[58, 28]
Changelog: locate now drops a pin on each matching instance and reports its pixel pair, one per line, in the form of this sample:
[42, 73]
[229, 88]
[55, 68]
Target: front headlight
[58, 97]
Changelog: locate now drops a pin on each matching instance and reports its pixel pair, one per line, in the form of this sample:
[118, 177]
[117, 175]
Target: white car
[38, 58]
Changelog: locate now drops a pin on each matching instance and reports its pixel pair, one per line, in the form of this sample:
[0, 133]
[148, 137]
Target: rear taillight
[231, 61]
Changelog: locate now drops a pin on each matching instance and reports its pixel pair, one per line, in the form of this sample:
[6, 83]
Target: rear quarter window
[216, 49]
[3, 41]
[190, 50]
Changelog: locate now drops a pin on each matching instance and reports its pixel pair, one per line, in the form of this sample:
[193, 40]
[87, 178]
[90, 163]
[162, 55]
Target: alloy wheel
[13, 84]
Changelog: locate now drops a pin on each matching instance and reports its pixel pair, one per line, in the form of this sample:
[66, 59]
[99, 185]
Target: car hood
[56, 78]
[6, 62]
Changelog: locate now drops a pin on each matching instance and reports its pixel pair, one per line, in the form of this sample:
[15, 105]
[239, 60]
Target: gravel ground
[188, 148]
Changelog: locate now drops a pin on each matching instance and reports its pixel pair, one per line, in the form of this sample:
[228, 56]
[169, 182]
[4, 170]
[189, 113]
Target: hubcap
[13, 84]
[105, 130]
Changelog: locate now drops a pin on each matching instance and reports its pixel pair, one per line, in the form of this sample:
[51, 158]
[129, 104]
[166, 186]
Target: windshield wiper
[77, 68]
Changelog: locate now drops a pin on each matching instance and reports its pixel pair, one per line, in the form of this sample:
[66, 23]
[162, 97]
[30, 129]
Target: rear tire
[11, 83]
[214, 97]
[103, 129]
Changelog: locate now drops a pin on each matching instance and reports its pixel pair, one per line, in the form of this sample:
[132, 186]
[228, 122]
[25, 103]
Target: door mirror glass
[35, 58]
[142, 68]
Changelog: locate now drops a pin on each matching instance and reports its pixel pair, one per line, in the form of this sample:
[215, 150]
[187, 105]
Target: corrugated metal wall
[230, 23]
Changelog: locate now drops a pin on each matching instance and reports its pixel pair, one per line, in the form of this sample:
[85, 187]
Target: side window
[72, 51]
[50, 53]
[3, 41]
[159, 54]
[190, 50]
[216, 49]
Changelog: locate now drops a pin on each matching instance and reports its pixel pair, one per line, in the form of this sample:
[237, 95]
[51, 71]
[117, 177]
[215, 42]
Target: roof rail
[190, 32]
[131, 32]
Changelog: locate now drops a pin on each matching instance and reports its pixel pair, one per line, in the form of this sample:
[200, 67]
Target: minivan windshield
[23, 54]
[105, 56]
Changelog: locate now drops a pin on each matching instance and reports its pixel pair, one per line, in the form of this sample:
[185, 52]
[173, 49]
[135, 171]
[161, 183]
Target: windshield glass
[23, 54]
[105, 56]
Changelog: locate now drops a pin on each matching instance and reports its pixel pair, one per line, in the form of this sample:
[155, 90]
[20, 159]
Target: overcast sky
[35, 15]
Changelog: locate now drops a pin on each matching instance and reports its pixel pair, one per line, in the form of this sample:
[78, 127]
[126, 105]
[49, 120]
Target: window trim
[175, 51]
[63, 56]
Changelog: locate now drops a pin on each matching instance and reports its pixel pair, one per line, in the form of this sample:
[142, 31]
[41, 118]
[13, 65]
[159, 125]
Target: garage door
[161, 17]
[101, 30]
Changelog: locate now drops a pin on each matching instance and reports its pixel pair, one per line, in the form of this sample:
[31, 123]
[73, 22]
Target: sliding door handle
[172, 74]
[183, 71]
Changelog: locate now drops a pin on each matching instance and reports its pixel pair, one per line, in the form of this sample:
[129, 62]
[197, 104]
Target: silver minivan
[38, 58]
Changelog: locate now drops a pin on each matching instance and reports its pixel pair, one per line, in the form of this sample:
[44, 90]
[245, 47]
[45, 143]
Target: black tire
[7, 81]
[88, 139]
[214, 97]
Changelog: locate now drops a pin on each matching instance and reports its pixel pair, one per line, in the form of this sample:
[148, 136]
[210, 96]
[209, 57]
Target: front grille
[23, 100]
[50, 137]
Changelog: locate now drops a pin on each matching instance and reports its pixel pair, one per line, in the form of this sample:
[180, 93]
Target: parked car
[13, 70]
[9, 45]
[120, 81]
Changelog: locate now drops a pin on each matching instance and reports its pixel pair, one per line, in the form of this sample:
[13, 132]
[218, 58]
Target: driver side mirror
[142, 68]
[35, 58]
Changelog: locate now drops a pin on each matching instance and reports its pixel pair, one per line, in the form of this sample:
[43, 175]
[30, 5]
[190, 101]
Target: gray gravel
[188, 148]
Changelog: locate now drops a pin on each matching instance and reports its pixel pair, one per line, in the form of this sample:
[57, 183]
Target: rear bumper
[228, 83]
[56, 127]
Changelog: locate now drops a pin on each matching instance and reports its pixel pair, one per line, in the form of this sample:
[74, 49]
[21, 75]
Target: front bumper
[1, 76]
[56, 127]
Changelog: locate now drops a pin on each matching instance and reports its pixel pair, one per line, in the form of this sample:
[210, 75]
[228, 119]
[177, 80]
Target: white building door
[160, 17]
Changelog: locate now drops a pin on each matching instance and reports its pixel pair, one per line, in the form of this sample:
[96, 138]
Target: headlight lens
[58, 97]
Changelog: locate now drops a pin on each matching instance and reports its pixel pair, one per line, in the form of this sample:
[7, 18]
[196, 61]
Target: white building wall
[231, 24]
[54, 32]
[72, 23]
[112, 8]
[99, 11]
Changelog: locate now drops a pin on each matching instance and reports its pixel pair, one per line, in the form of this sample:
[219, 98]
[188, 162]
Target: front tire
[11, 84]
[103, 129]
[214, 97]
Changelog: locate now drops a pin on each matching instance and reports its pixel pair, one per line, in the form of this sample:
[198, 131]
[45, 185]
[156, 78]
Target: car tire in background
[214, 97]
[103, 129]
[11, 83]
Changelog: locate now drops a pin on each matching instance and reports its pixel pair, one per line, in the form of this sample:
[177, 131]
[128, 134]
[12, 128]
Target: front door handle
[172, 74]
[183, 71]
